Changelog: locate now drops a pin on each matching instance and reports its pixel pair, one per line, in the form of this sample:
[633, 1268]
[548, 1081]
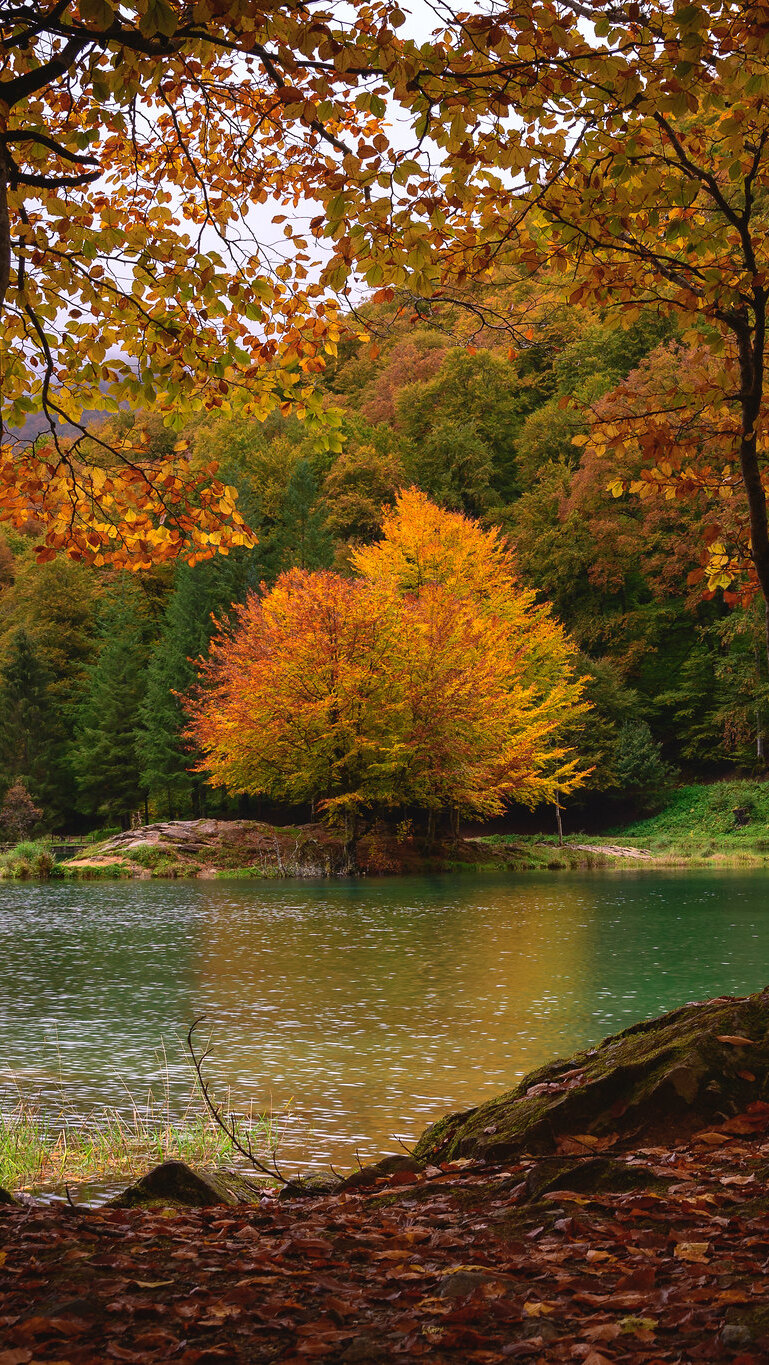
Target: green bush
[30, 858]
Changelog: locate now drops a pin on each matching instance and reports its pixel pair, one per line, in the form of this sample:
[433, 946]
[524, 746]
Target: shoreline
[614, 1200]
[323, 858]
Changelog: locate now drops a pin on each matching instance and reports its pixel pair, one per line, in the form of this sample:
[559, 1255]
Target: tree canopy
[431, 680]
[138, 140]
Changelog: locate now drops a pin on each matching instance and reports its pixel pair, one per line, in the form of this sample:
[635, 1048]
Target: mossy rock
[176, 1184]
[658, 1081]
[381, 1170]
[311, 1185]
[6, 1197]
[591, 1175]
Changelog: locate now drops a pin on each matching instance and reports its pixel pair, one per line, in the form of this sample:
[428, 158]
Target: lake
[370, 1007]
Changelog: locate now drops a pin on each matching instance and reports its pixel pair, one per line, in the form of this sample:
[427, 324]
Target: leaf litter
[465, 1263]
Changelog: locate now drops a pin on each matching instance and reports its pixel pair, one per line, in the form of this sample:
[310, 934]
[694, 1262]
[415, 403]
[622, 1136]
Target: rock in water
[697, 1067]
[177, 1184]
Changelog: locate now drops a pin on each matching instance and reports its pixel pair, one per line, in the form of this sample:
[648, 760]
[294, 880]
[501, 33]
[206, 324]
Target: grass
[48, 1143]
[92, 872]
[723, 823]
[30, 858]
[707, 814]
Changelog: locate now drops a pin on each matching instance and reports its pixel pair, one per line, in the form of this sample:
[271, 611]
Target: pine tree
[199, 594]
[640, 772]
[301, 538]
[31, 728]
[105, 751]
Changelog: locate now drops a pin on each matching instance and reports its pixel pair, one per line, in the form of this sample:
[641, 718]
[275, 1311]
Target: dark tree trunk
[751, 345]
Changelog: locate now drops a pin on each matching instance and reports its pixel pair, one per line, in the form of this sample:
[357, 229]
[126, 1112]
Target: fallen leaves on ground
[461, 1265]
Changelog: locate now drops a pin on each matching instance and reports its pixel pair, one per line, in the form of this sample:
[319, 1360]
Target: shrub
[30, 858]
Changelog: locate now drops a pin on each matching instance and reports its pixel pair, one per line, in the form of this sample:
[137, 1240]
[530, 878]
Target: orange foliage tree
[431, 680]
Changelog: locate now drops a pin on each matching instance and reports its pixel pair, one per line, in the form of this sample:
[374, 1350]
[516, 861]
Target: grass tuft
[46, 1143]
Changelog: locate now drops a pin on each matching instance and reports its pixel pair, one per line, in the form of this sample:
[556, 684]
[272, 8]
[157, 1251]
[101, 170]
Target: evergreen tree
[31, 729]
[105, 752]
[640, 772]
[300, 538]
[199, 594]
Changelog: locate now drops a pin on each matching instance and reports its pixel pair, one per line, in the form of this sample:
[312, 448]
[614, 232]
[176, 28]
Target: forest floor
[612, 1208]
[464, 1262]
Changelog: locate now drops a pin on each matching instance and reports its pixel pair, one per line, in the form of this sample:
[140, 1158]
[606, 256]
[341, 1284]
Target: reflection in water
[375, 1005]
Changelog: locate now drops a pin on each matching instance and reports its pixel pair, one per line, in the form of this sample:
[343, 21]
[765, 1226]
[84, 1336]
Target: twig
[401, 1143]
[228, 1124]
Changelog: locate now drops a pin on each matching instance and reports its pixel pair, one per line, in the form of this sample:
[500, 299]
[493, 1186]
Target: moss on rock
[175, 1184]
[665, 1077]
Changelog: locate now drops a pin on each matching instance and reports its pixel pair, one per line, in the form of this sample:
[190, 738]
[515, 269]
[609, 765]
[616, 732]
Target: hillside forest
[94, 663]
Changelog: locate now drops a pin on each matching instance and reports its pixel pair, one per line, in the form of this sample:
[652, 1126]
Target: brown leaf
[535, 1308]
[603, 1331]
[692, 1251]
[735, 1039]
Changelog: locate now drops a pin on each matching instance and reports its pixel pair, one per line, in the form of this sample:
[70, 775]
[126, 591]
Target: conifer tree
[199, 594]
[106, 753]
[31, 733]
[640, 771]
[301, 538]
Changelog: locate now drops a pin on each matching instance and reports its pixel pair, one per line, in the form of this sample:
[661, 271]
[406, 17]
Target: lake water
[371, 1006]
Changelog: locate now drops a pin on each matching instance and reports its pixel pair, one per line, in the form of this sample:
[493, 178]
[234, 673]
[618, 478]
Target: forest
[94, 663]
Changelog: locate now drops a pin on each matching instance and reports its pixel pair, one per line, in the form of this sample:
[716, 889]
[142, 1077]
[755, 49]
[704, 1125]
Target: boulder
[176, 1184]
[380, 1170]
[312, 1184]
[657, 1081]
[6, 1197]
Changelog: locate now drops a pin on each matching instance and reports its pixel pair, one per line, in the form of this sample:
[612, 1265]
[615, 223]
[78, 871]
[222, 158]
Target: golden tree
[444, 690]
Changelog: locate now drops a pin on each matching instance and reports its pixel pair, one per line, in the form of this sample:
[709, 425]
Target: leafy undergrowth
[650, 1255]
[30, 858]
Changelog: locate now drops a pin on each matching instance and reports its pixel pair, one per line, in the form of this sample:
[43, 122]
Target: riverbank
[254, 849]
[634, 1229]
[719, 825]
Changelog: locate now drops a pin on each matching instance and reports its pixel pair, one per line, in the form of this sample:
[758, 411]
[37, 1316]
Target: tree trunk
[751, 349]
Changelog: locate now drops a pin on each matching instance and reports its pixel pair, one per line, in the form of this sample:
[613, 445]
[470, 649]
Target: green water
[374, 1006]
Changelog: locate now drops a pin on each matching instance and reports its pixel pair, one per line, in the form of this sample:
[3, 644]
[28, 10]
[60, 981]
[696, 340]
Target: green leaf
[97, 13]
[158, 18]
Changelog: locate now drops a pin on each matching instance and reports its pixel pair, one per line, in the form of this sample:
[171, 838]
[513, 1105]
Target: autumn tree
[138, 140]
[430, 680]
[623, 146]
[18, 812]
